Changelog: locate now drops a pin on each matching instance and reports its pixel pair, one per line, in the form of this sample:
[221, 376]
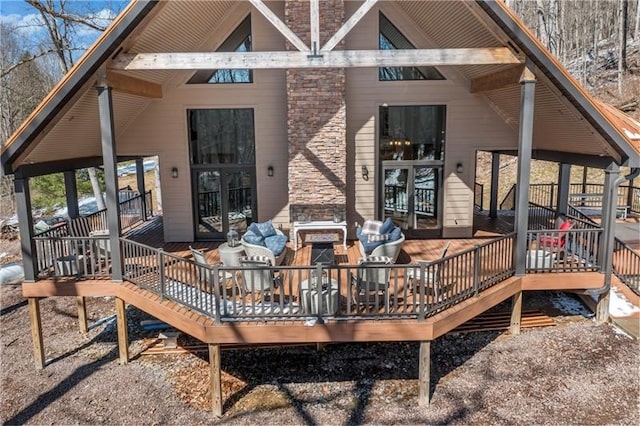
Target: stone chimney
[316, 120]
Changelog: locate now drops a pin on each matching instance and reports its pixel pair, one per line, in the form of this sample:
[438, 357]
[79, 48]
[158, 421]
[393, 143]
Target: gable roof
[599, 114]
[607, 123]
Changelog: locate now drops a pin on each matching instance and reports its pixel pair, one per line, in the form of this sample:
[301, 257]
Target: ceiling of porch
[187, 26]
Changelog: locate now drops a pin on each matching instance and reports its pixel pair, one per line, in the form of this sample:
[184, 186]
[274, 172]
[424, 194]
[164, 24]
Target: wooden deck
[151, 233]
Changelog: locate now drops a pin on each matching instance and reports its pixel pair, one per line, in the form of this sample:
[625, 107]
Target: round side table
[230, 256]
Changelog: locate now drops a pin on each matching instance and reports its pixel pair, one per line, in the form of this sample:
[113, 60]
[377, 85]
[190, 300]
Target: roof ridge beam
[279, 25]
[332, 59]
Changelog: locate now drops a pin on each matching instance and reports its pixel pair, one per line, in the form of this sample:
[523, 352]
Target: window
[391, 38]
[412, 132]
[221, 136]
[238, 41]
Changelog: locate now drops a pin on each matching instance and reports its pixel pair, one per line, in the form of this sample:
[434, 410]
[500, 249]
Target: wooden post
[25, 219]
[564, 187]
[424, 373]
[602, 308]
[516, 313]
[71, 193]
[525, 143]
[495, 179]
[82, 314]
[141, 187]
[123, 337]
[215, 378]
[36, 332]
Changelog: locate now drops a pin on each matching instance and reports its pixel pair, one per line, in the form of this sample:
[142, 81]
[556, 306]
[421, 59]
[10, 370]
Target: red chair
[556, 240]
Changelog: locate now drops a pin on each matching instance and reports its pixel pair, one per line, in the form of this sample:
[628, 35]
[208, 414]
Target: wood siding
[471, 124]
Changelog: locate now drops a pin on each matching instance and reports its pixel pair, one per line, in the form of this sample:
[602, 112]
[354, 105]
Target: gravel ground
[576, 372]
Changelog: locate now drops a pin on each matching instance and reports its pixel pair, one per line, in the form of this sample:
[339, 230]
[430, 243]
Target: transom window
[391, 38]
[221, 136]
[412, 132]
[238, 41]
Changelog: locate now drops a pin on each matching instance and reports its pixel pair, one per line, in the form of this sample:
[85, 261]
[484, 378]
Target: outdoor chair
[432, 277]
[555, 241]
[262, 239]
[204, 273]
[258, 276]
[370, 283]
[380, 239]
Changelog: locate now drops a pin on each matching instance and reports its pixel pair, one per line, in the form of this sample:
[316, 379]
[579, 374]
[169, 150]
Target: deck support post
[107, 133]
[495, 179]
[82, 314]
[71, 193]
[216, 379]
[424, 373]
[36, 332]
[609, 204]
[25, 219]
[141, 187]
[516, 313]
[123, 335]
[602, 308]
[525, 143]
[564, 184]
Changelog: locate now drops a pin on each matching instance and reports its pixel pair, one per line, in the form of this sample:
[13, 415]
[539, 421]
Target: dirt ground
[576, 372]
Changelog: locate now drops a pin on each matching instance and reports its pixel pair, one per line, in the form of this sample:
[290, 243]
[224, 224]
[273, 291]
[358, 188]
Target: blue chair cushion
[266, 229]
[366, 244]
[252, 238]
[253, 227]
[276, 243]
[396, 234]
[387, 226]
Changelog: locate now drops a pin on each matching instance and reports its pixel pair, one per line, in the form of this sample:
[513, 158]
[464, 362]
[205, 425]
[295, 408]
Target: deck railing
[81, 257]
[316, 292]
[626, 265]
[132, 211]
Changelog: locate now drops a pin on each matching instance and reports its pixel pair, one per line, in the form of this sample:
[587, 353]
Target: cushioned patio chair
[432, 275]
[380, 239]
[204, 273]
[257, 275]
[263, 239]
[370, 283]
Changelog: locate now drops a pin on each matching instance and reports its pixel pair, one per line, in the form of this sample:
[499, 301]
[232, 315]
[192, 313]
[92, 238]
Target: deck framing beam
[497, 80]
[133, 86]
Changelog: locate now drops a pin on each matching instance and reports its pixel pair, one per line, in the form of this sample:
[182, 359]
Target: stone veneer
[316, 121]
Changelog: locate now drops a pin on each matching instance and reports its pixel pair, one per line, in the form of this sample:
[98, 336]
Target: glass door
[411, 152]
[225, 200]
[222, 145]
[412, 197]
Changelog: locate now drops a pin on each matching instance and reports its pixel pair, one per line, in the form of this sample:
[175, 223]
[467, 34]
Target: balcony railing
[306, 292]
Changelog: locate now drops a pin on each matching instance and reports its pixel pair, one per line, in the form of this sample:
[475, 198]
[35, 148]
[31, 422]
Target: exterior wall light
[174, 172]
[365, 173]
[459, 168]
[270, 171]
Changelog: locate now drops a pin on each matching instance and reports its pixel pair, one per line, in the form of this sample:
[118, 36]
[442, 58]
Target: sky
[25, 20]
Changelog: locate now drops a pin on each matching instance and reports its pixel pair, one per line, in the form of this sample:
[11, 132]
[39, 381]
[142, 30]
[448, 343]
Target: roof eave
[102, 50]
[552, 68]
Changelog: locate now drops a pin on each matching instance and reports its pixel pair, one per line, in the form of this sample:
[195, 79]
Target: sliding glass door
[223, 170]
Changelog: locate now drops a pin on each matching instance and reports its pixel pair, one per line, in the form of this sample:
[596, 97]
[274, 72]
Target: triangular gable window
[238, 41]
[391, 38]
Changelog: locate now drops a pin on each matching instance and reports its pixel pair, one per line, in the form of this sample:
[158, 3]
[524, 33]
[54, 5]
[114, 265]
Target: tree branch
[7, 71]
[65, 16]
